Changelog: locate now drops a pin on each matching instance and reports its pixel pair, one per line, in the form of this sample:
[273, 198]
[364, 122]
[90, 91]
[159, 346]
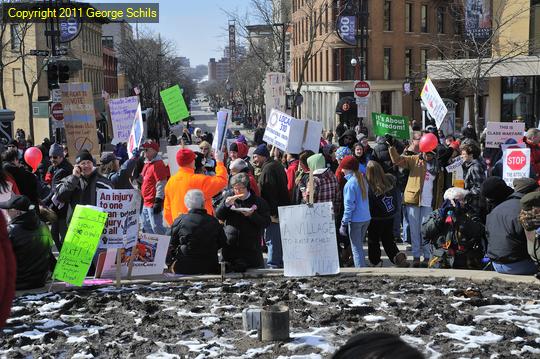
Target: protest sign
[174, 104]
[149, 260]
[308, 236]
[453, 167]
[136, 133]
[122, 227]
[433, 102]
[80, 244]
[79, 118]
[171, 156]
[122, 114]
[292, 135]
[274, 92]
[397, 126]
[499, 132]
[224, 118]
[516, 164]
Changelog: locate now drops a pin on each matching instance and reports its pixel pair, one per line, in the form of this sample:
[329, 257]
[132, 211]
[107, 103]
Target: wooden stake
[118, 268]
[134, 252]
[310, 188]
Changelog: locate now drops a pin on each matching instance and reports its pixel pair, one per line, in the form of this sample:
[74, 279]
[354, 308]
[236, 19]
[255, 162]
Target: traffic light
[52, 76]
[63, 73]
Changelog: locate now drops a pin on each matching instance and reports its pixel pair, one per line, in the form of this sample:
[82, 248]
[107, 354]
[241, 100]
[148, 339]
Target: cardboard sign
[274, 92]
[397, 126]
[308, 236]
[79, 118]
[174, 104]
[453, 167]
[292, 135]
[224, 118]
[516, 164]
[136, 133]
[80, 244]
[499, 132]
[122, 114]
[171, 156]
[122, 227]
[434, 103]
[150, 258]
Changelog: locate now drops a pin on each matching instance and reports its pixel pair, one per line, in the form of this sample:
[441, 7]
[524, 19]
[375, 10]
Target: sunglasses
[55, 157]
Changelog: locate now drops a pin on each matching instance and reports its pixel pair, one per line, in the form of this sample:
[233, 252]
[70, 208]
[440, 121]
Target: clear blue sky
[197, 27]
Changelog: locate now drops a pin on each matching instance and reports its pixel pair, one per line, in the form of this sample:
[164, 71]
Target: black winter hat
[494, 188]
[19, 202]
[84, 155]
[233, 147]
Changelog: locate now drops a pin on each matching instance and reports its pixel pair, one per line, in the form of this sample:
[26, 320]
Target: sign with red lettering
[516, 164]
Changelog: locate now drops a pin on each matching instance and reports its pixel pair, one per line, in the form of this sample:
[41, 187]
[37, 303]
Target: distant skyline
[197, 27]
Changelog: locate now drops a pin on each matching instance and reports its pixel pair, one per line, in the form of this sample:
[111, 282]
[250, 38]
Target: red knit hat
[151, 144]
[455, 145]
[350, 163]
[242, 149]
[184, 157]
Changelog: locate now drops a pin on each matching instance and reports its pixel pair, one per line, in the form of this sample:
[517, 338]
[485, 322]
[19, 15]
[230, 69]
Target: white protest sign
[150, 258]
[453, 167]
[224, 118]
[308, 236]
[122, 114]
[516, 164]
[122, 205]
[136, 133]
[499, 132]
[274, 92]
[171, 156]
[433, 102]
[514, 145]
[292, 135]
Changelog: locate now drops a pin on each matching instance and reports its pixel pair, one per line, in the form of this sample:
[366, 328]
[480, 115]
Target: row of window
[95, 77]
[91, 41]
[410, 20]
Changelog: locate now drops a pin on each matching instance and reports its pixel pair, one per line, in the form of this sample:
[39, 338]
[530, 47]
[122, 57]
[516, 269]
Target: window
[440, 20]
[408, 17]
[343, 70]
[15, 37]
[386, 102]
[387, 16]
[423, 60]
[424, 19]
[387, 60]
[17, 85]
[408, 62]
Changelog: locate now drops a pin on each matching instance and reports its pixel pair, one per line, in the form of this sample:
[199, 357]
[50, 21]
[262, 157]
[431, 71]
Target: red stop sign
[57, 111]
[361, 89]
[516, 160]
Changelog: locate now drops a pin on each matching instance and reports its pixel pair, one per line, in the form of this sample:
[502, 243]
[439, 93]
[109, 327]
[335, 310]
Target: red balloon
[428, 142]
[33, 157]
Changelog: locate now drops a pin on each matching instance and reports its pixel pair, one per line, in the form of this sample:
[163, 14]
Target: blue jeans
[357, 233]
[524, 267]
[152, 223]
[397, 216]
[416, 216]
[273, 242]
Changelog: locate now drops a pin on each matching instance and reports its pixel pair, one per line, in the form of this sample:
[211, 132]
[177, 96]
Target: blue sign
[346, 29]
[69, 28]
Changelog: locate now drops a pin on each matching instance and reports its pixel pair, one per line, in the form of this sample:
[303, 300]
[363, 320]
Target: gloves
[389, 140]
[158, 206]
[219, 156]
[343, 230]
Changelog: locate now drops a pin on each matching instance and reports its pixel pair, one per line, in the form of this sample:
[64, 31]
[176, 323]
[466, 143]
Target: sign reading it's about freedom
[80, 244]
[308, 236]
[174, 104]
[397, 126]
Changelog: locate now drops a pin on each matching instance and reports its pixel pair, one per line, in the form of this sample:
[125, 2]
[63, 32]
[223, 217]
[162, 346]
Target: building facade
[120, 33]
[398, 47]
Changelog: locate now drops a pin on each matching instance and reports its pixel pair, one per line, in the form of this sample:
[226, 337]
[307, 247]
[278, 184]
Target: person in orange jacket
[186, 179]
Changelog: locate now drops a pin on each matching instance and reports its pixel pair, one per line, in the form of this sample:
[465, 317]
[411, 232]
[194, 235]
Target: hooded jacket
[8, 270]
[350, 133]
[32, 242]
[273, 185]
[474, 174]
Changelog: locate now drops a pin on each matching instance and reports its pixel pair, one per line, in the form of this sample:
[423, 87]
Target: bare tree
[216, 92]
[468, 60]
[247, 81]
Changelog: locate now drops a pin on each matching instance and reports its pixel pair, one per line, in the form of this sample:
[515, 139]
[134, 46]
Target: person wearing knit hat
[495, 190]
[341, 152]
[186, 179]
[525, 185]
[325, 183]
[241, 166]
[273, 185]
[356, 216]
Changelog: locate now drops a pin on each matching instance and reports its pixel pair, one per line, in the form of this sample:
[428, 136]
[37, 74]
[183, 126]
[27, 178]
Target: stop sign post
[516, 164]
[57, 111]
[361, 89]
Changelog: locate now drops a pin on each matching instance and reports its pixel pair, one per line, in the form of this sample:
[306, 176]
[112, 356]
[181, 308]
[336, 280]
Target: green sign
[397, 126]
[174, 104]
[80, 244]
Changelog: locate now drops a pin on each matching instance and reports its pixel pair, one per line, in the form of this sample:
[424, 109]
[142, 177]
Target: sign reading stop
[57, 111]
[361, 89]
[516, 164]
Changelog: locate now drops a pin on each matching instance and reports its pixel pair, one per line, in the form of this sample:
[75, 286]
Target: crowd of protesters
[226, 201]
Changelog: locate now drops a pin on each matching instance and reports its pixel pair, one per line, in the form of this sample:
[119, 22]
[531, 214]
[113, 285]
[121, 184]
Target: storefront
[519, 100]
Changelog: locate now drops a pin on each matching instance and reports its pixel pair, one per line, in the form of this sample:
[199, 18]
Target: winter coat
[417, 171]
[273, 185]
[243, 248]
[505, 235]
[350, 133]
[356, 207]
[326, 188]
[383, 206]
[186, 179]
[196, 238]
[535, 156]
[57, 174]
[154, 177]
[474, 174]
[32, 242]
[121, 179]
[75, 190]
[291, 174]
[381, 154]
[8, 270]
[26, 181]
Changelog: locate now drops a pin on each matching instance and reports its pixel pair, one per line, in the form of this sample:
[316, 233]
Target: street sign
[39, 52]
[516, 164]
[362, 107]
[516, 160]
[61, 52]
[56, 95]
[57, 111]
[361, 89]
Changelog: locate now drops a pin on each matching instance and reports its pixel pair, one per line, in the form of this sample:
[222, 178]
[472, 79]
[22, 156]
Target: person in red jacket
[7, 273]
[154, 179]
[292, 166]
[532, 140]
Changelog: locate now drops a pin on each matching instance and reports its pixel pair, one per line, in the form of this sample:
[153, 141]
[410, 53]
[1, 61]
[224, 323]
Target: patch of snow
[415, 325]
[49, 323]
[16, 309]
[162, 355]
[138, 338]
[254, 352]
[316, 338]
[143, 299]
[243, 283]
[310, 356]
[138, 321]
[76, 340]
[355, 301]
[28, 298]
[456, 305]
[517, 340]
[465, 335]
[226, 307]
[82, 355]
[529, 349]
[374, 318]
[210, 320]
[53, 306]
[313, 302]
[33, 334]
[414, 341]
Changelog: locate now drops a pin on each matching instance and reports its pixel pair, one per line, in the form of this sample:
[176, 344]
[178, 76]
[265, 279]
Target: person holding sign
[246, 216]
[356, 216]
[532, 141]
